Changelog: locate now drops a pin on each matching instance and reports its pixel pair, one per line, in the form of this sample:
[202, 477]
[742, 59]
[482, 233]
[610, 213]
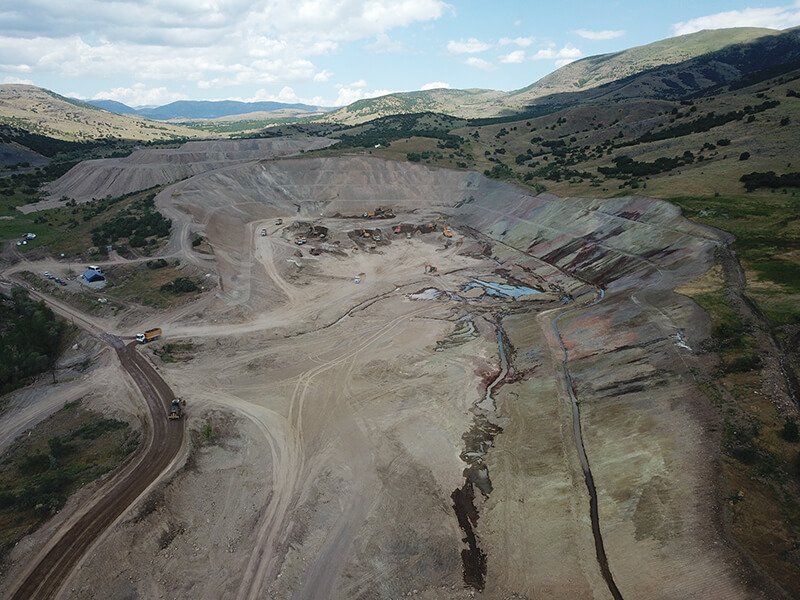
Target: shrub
[790, 431]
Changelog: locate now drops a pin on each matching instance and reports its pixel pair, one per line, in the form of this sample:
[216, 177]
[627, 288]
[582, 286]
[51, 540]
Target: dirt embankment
[347, 413]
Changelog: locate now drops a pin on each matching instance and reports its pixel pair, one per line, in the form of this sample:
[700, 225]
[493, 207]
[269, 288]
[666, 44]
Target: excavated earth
[351, 449]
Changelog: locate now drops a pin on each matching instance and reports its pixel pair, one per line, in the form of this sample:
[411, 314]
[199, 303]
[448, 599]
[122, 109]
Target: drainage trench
[477, 442]
[594, 515]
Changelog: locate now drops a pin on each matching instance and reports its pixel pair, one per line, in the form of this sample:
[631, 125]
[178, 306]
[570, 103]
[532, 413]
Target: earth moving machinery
[430, 269]
[149, 335]
[300, 240]
[364, 233]
[278, 221]
[263, 233]
[447, 231]
[175, 409]
[432, 226]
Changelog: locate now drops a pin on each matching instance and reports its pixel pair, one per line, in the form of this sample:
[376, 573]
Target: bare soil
[344, 415]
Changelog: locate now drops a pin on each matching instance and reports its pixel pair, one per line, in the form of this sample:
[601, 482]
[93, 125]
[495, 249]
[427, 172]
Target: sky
[331, 52]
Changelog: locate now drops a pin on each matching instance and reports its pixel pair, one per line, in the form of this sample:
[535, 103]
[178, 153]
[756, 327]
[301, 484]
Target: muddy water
[488, 401]
[600, 551]
[477, 442]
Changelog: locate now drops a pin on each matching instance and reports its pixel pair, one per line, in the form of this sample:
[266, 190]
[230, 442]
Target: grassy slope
[37, 475]
[44, 112]
[597, 70]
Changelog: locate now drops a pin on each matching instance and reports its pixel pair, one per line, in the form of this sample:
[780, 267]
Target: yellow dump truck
[148, 336]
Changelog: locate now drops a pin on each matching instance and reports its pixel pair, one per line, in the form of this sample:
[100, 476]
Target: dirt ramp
[150, 167]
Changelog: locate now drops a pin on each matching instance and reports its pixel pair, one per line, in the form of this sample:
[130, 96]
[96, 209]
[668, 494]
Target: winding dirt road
[163, 440]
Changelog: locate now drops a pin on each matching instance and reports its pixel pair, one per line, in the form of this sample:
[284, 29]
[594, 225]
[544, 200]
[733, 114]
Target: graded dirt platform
[412, 433]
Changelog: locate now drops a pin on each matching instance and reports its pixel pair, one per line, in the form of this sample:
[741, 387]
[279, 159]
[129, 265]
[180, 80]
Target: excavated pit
[368, 420]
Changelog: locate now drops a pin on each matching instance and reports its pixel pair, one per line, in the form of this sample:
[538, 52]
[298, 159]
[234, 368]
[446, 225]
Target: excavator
[364, 233]
[432, 226]
[430, 269]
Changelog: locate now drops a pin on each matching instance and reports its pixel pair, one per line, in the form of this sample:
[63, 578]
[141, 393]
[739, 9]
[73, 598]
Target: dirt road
[161, 444]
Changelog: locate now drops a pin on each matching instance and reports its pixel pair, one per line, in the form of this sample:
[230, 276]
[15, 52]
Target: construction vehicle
[300, 240]
[377, 238]
[175, 409]
[365, 233]
[408, 235]
[312, 229]
[278, 221]
[368, 215]
[430, 269]
[398, 229]
[447, 232]
[432, 226]
[149, 335]
[263, 233]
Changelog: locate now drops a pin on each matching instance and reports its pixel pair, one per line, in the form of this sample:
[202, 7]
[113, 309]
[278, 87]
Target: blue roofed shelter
[91, 275]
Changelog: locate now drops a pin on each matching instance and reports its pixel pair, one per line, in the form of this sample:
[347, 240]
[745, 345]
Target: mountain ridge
[203, 109]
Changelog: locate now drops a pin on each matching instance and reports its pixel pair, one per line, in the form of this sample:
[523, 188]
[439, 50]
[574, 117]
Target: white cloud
[606, 34]
[435, 85]
[513, 58]
[564, 61]
[470, 46]
[349, 95]
[140, 95]
[217, 43]
[778, 17]
[568, 53]
[286, 95]
[383, 43]
[522, 42]
[479, 63]
[17, 80]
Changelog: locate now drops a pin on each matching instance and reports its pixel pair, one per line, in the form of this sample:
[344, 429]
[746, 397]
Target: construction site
[417, 382]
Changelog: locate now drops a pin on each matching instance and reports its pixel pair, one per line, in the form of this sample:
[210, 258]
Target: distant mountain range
[203, 109]
[675, 69]
[669, 69]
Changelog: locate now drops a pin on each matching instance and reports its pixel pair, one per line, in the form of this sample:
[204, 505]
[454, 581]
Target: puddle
[680, 340]
[427, 294]
[501, 290]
